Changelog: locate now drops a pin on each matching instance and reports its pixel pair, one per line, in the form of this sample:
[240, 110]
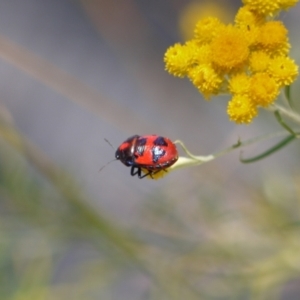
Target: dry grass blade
[68, 85]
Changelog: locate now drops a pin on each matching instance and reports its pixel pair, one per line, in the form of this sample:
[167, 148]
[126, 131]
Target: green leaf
[282, 123]
[275, 148]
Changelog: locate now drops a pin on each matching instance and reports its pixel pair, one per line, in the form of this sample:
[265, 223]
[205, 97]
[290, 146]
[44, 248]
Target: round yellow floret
[259, 61]
[249, 22]
[179, 58]
[263, 89]
[285, 4]
[230, 49]
[239, 83]
[206, 79]
[283, 70]
[246, 17]
[272, 35]
[263, 7]
[269, 7]
[203, 55]
[241, 109]
[206, 29]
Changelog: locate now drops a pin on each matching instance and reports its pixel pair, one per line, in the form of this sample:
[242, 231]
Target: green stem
[287, 113]
[277, 147]
[241, 144]
[283, 124]
[194, 160]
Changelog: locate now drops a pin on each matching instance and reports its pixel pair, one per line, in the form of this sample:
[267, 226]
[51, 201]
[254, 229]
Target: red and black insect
[150, 152]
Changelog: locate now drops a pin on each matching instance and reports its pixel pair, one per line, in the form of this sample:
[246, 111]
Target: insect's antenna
[108, 142]
[106, 165]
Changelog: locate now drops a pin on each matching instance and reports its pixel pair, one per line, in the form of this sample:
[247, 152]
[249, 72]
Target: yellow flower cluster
[248, 59]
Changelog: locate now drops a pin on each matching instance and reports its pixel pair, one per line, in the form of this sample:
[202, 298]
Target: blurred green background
[75, 72]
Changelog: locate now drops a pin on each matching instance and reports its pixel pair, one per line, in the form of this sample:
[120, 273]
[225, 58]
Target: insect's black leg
[138, 171]
[134, 172]
[145, 175]
[150, 173]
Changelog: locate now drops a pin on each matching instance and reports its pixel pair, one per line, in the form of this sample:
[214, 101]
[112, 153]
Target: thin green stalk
[287, 113]
[277, 147]
[194, 160]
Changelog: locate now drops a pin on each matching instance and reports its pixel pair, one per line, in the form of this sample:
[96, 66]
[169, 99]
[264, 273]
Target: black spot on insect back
[160, 141]
[140, 145]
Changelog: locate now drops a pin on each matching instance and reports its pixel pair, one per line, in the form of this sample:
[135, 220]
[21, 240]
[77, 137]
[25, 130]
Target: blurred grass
[55, 245]
[40, 199]
[66, 84]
